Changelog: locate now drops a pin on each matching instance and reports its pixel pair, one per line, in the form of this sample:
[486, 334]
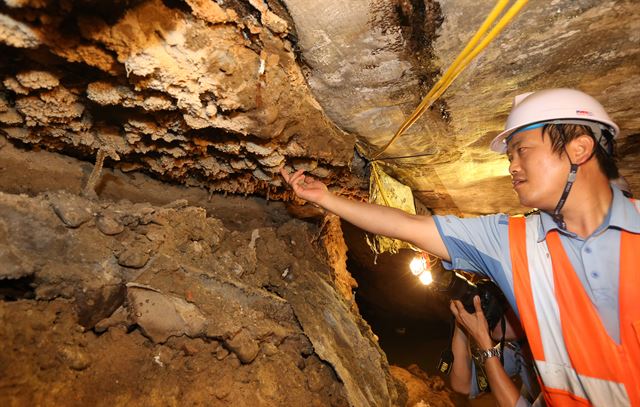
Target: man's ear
[581, 149]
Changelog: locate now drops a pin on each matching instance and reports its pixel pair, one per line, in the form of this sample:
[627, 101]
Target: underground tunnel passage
[155, 248]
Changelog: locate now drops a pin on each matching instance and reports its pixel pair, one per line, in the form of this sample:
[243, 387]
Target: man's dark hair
[561, 134]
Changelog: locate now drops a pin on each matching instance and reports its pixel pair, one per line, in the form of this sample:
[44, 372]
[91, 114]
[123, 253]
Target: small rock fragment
[244, 346]
[221, 353]
[177, 204]
[109, 225]
[189, 349]
[76, 359]
[119, 317]
[133, 258]
[161, 316]
[73, 211]
[157, 360]
[269, 349]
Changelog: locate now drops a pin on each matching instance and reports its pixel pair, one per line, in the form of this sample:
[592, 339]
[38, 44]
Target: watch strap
[489, 353]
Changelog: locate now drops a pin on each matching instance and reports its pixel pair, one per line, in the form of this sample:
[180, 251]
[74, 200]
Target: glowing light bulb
[418, 265]
[426, 278]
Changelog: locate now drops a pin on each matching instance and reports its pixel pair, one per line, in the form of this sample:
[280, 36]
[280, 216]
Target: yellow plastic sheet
[384, 190]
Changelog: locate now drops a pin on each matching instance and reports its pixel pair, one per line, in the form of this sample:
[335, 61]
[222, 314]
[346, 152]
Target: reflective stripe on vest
[578, 362]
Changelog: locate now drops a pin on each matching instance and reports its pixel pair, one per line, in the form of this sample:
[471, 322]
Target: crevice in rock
[177, 5]
[17, 289]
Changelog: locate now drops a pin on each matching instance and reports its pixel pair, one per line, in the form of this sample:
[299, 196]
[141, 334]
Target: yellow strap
[374, 171]
[460, 63]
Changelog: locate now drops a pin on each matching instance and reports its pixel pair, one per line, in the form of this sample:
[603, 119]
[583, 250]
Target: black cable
[402, 157]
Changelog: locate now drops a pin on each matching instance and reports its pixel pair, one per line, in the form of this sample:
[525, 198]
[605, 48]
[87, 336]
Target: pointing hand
[305, 187]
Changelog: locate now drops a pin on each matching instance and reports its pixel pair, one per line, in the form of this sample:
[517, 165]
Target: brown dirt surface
[50, 360]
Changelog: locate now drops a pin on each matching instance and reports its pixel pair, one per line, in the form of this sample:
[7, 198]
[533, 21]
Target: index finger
[459, 307]
[477, 304]
[453, 308]
[285, 174]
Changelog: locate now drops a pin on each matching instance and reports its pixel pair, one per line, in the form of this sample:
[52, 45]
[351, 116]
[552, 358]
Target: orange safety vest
[577, 361]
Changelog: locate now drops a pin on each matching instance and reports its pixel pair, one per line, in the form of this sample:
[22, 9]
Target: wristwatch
[482, 356]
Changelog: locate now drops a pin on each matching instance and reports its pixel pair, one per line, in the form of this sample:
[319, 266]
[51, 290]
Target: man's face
[538, 174]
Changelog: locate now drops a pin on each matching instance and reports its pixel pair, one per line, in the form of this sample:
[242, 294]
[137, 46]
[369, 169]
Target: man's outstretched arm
[418, 230]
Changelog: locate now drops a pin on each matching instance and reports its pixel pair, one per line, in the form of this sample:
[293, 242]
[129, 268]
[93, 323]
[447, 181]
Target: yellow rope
[461, 62]
[374, 171]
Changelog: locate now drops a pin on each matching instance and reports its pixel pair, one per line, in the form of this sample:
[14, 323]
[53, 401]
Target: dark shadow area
[407, 340]
[18, 289]
[410, 319]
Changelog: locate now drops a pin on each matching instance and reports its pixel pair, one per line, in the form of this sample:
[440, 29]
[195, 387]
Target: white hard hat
[550, 105]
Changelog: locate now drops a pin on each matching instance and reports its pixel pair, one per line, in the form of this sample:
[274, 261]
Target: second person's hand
[475, 324]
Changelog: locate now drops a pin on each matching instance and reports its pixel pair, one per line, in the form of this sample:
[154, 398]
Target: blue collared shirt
[481, 245]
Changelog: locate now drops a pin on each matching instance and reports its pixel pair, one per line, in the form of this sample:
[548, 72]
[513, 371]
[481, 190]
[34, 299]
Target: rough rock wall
[203, 92]
[134, 303]
[370, 64]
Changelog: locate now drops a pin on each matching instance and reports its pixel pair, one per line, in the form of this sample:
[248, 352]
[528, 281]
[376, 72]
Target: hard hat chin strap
[573, 172]
[557, 216]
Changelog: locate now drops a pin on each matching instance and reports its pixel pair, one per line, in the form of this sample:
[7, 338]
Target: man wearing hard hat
[570, 270]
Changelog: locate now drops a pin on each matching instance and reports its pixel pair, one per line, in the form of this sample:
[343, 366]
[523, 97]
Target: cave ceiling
[221, 94]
